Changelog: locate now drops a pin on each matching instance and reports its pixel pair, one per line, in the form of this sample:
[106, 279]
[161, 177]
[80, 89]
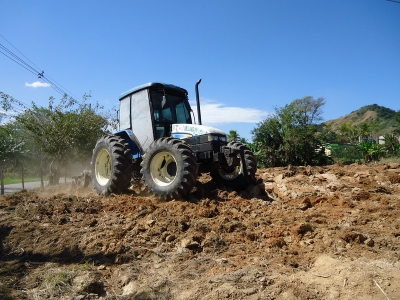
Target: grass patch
[52, 282]
[344, 153]
[389, 160]
[11, 180]
[6, 270]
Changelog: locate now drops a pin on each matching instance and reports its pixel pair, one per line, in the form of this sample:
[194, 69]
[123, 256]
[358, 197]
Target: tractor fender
[133, 142]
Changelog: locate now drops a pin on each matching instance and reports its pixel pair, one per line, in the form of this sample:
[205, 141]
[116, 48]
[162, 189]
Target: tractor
[158, 142]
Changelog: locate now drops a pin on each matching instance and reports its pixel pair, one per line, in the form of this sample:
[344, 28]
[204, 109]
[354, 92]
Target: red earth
[300, 233]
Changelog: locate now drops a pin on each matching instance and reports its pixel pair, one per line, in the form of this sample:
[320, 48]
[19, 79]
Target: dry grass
[55, 281]
[390, 160]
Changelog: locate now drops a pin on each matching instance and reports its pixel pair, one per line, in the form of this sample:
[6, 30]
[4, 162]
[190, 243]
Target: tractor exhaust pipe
[198, 101]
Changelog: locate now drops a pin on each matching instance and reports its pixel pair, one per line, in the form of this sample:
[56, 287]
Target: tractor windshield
[171, 109]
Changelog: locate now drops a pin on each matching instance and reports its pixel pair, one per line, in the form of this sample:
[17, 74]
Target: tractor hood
[182, 131]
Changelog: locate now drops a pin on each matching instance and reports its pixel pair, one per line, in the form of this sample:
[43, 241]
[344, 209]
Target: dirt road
[300, 233]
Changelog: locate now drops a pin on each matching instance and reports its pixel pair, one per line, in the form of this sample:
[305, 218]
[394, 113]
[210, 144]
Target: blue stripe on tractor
[129, 138]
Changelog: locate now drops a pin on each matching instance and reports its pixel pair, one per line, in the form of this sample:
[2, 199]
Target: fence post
[2, 181]
[41, 169]
[41, 176]
[22, 176]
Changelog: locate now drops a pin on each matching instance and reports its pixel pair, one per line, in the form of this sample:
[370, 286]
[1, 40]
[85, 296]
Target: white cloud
[218, 113]
[7, 113]
[6, 116]
[37, 84]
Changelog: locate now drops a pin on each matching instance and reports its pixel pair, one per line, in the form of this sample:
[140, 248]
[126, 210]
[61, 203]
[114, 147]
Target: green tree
[233, 136]
[326, 133]
[397, 116]
[367, 129]
[243, 140]
[370, 151]
[305, 111]
[12, 149]
[291, 135]
[392, 145]
[354, 134]
[66, 132]
[359, 140]
[348, 133]
[268, 140]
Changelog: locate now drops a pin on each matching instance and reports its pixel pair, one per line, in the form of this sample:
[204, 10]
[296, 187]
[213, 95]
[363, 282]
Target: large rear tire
[111, 165]
[233, 177]
[169, 168]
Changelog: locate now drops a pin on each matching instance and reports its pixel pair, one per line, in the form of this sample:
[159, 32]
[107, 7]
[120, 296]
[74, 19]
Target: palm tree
[243, 140]
[233, 136]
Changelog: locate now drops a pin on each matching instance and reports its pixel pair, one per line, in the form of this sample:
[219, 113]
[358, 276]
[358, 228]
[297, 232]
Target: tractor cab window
[173, 108]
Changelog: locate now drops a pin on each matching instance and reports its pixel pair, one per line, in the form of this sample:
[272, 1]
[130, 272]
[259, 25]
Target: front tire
[111, 165]
[169, 168]
[233, 177]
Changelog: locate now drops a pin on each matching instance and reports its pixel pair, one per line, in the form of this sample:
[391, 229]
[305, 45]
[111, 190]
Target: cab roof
[151, 84]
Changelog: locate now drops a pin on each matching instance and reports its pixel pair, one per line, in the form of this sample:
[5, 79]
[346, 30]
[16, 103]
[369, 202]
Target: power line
[18, 51]
[52, 79]
[17, 62]
[17, 58]
[56, 86]
[28, 67]
[39, 74]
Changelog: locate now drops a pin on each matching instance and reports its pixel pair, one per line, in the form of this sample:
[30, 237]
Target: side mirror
[164, 101]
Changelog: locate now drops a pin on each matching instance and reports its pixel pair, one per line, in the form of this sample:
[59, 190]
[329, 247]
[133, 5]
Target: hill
[382, 117]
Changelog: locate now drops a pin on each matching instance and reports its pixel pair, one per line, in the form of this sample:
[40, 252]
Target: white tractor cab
[159, 140]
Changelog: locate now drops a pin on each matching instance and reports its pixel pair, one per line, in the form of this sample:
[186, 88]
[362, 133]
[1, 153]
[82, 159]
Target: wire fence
[16, 179]
[21, 178]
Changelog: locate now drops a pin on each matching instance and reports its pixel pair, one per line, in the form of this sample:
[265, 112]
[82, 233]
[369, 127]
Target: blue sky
[252, 56]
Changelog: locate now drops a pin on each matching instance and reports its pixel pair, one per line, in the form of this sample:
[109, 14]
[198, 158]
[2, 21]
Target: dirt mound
[300, 233]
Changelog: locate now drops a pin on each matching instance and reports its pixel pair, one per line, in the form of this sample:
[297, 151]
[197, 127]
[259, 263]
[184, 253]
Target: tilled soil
[300, 233]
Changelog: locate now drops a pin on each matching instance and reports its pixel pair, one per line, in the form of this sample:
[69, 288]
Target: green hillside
[382, 117]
